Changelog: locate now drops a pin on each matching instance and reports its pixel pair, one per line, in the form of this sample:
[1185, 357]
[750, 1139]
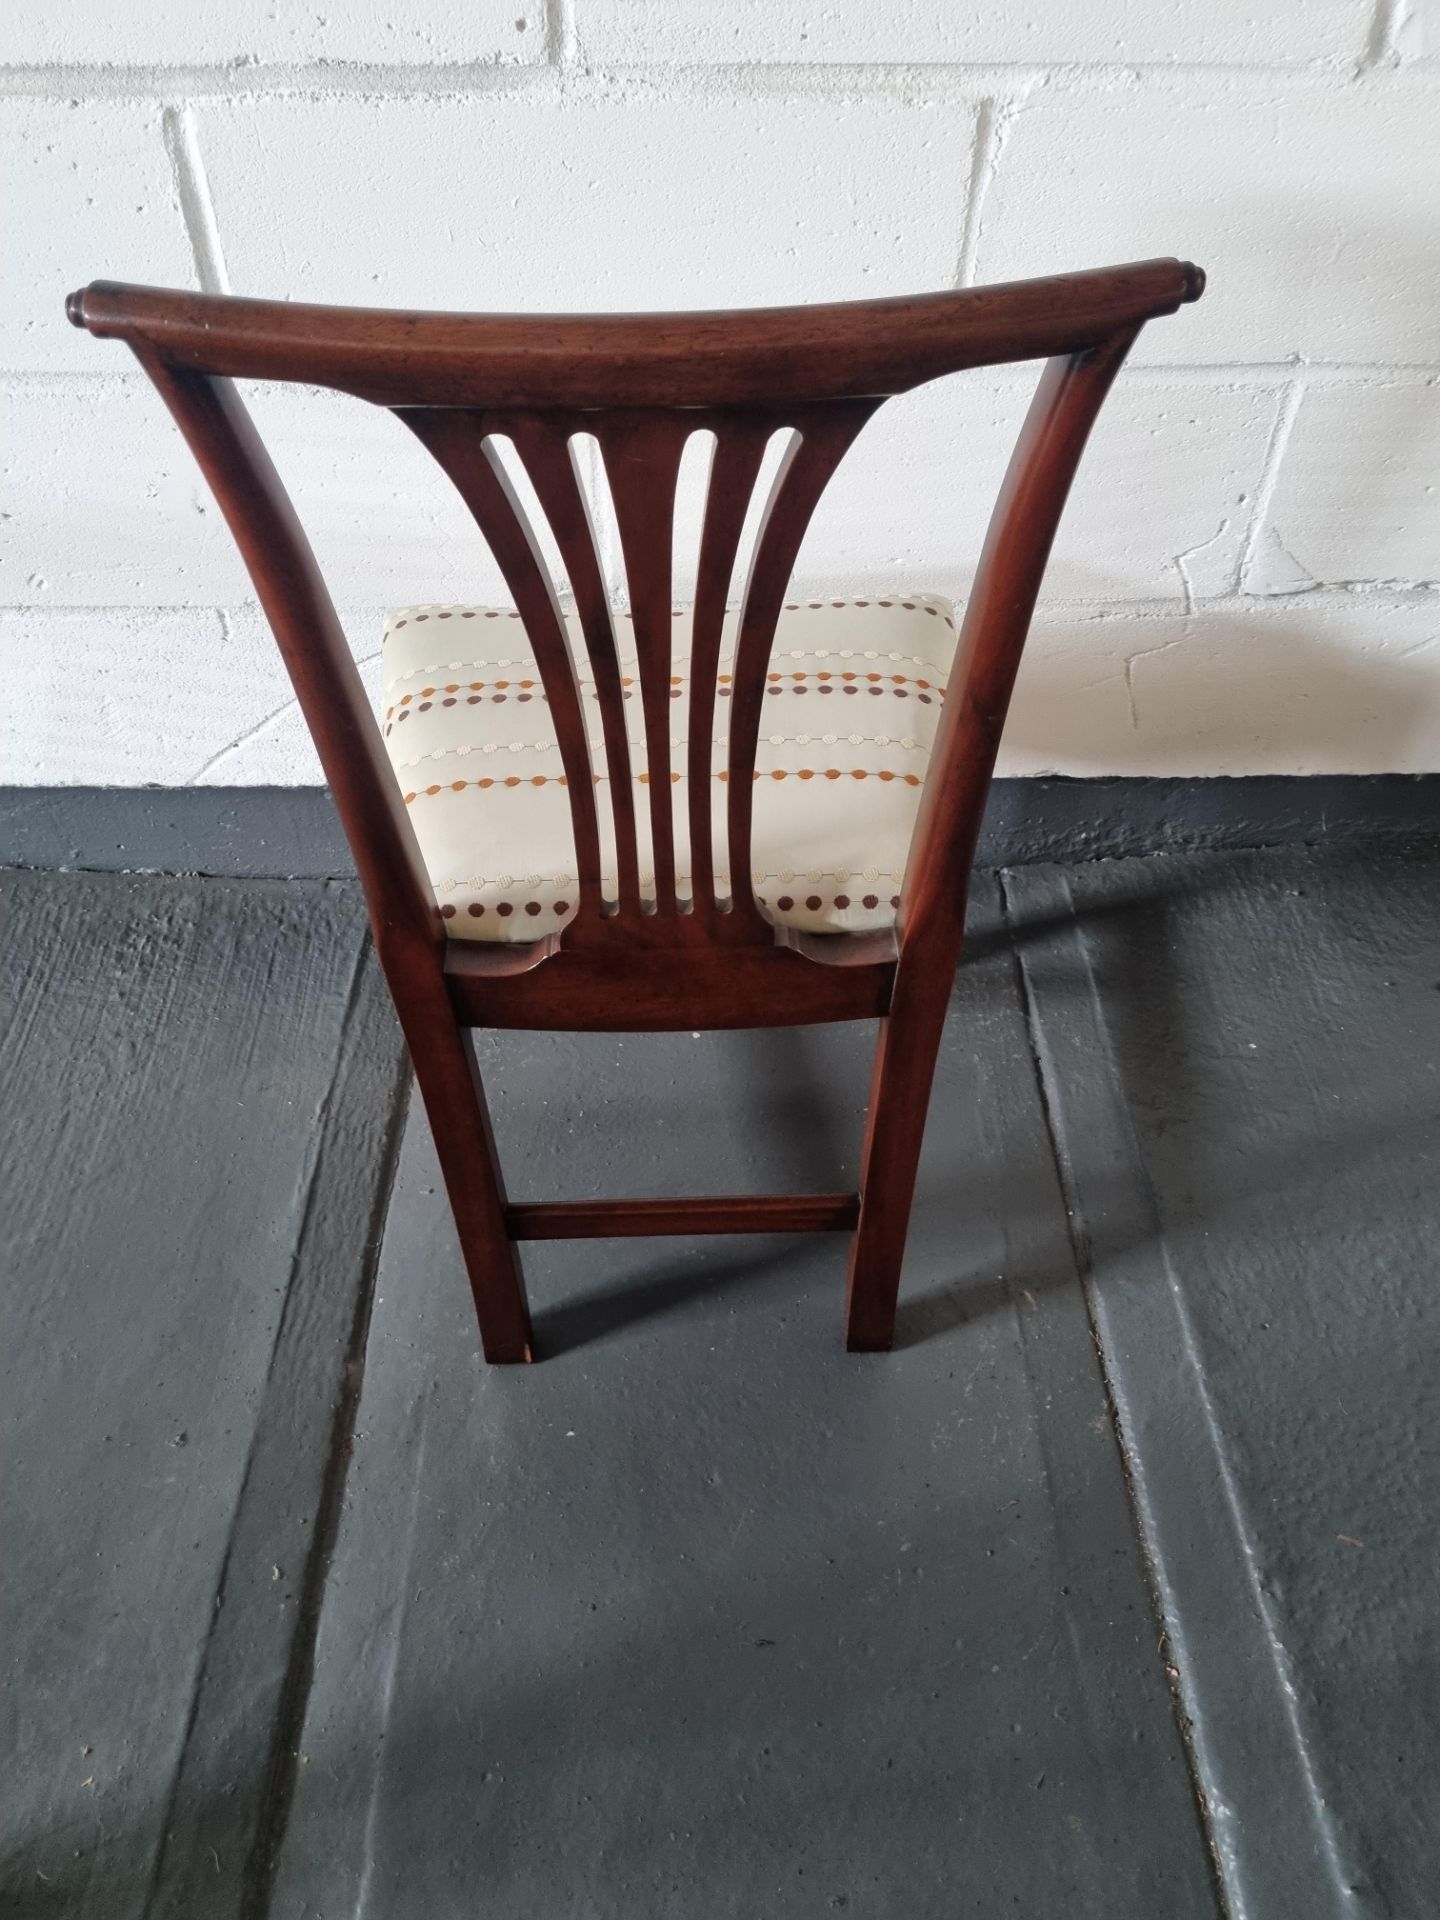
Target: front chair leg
[449, 1083]
[894, 1129]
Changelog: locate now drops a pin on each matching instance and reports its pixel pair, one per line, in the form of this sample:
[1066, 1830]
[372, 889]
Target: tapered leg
[460, 1121]
[894, 1130]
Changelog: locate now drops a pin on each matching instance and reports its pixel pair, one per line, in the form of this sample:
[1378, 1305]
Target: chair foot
[857, 1342]
[496, 1279]
[507, 1354]
[449, 1084]
[870, 1301]
[895, 1127]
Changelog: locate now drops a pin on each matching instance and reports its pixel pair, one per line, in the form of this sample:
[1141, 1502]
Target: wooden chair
[651, 958]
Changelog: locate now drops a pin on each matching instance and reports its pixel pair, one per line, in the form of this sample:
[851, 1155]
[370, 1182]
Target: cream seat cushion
[853, 694]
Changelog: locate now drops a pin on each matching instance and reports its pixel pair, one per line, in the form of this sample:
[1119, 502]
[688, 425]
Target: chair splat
[642, 450]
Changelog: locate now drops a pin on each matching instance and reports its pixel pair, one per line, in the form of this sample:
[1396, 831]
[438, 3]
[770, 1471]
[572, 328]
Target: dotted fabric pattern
[852, 698]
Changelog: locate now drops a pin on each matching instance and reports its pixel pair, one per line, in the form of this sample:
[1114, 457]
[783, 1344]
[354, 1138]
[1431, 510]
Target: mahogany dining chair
[702, 858]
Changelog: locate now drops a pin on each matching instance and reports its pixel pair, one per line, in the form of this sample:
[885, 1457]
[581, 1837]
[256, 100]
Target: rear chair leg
[449, 1084]
[894, 1130]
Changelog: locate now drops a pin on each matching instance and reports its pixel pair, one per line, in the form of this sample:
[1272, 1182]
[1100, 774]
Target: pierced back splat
[642, 449]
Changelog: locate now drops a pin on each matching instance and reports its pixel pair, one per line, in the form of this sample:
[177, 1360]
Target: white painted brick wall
[1248, 579]
[91, 177]
[514, 200]
[1358, 495]
[1048, 32]
[98, 33]
[1313, 208]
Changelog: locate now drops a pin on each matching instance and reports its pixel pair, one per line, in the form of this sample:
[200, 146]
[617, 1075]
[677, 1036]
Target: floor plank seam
[1080, 1252]
[283, 1764]
[1195, 1665]
[309, 1180]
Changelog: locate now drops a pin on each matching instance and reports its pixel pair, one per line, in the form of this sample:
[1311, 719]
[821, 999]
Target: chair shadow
[590, 1318]
[1131, 936]
[945, 1310]
[797, 1088]
[801, 1113]
[961, 1301]
[809, 1079]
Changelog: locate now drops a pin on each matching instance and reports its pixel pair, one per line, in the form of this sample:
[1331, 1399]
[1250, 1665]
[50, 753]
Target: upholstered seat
[854, 691]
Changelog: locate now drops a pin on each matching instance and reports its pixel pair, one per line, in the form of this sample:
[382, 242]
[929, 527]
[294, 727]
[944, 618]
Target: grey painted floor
[1110, 1592]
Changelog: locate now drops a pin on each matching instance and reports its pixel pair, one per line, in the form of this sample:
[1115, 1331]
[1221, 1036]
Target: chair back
[642, 385]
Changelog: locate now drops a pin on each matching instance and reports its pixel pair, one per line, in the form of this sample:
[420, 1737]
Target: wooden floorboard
[199, 1092]
[701, 1615]
[1242, 1056]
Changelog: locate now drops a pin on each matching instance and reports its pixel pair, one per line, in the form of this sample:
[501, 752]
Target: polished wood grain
[663, 987]
[548, 454]
[734, 471]
[820, 440]
[464, 449]
[642, 385]
[962, 760]
[858, 348]
[727, 1213]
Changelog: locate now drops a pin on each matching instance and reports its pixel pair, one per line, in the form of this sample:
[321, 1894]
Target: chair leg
[894, 1130]
[449, 1083]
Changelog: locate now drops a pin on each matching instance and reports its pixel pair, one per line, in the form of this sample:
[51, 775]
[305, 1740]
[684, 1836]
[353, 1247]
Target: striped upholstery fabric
[852, 699]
